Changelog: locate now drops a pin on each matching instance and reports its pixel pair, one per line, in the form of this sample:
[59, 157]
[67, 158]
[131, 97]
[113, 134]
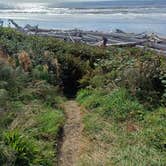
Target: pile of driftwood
[96, 38]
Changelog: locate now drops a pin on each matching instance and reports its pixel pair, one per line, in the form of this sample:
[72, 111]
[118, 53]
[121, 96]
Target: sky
[55, 0]
[8, 1]
[43, 1]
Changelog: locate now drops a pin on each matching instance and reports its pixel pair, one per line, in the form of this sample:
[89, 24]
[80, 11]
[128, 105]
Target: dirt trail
[70, 145]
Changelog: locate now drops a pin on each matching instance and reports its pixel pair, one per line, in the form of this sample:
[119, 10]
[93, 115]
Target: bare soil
[72, 134]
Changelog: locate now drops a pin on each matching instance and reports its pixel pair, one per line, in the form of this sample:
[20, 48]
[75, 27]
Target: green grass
[123, 91]
[31, 137]
[120, 130]
[50, 122]
[124, 121]
[118, 105]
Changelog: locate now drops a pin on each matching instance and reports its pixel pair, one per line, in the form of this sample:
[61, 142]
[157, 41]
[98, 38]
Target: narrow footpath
[72, 133]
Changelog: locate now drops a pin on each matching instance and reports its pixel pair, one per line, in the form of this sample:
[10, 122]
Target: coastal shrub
[27, 94]
[45, 92]
[6, 73]
[13, 109]
[72, 60]
[12, 80]
[12, 39]
[40, 73]
[142, 74]
[72, 70]
[97, 81]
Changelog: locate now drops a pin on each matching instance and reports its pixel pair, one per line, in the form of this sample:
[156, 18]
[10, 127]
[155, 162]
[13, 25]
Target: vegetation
[122, 89]
[31, 115]
[125, 99]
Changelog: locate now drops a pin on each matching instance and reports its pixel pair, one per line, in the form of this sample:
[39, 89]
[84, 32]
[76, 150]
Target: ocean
[127, 15]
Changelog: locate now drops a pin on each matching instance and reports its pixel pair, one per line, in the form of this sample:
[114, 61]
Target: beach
[106, 16]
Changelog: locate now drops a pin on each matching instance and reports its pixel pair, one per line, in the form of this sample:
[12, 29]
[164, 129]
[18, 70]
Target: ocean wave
[53, 11]
[44, 8]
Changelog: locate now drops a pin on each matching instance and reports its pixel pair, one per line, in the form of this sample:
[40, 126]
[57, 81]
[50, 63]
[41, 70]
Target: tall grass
[31, 137]
[120, 131]
[118, 105]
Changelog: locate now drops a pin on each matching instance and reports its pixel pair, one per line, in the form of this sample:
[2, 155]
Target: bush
[6, 73]
[12, 80]
[141, 72]
[45, 92]
[40, 73]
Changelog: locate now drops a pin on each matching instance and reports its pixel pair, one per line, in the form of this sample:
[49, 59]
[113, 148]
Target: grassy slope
[31, 115]
[123, 91]
[115, 135]
[31, 136]
[125, 119]
[33, 72]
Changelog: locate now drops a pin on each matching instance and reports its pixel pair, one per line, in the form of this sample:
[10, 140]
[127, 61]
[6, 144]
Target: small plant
[24, 148]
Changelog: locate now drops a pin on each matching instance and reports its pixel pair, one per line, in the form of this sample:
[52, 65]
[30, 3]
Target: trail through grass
[70, 148]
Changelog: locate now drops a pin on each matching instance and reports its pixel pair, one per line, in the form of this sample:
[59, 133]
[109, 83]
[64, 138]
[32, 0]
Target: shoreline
[104, 23]
[95, 38]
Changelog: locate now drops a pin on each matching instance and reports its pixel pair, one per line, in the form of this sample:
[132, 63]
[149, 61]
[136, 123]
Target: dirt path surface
[70, 146]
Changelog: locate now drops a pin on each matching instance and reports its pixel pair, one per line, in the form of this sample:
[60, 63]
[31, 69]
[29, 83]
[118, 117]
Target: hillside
[121, 93]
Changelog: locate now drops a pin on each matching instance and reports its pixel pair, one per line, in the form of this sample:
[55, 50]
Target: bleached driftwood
[95, 38]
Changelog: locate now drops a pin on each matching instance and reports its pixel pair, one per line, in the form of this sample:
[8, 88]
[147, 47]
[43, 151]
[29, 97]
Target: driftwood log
[95, 38]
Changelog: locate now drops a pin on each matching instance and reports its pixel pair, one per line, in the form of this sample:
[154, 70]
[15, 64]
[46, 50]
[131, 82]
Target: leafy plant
[24, 149]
